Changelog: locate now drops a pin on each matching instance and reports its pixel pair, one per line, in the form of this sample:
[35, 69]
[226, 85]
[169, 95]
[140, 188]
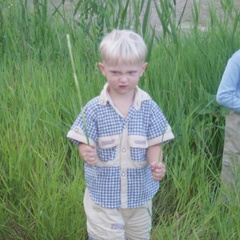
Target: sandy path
[187, 18]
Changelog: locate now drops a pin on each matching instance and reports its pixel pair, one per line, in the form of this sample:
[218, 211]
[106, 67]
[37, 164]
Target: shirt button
[76, 129]
[123, 174]
[124, 150]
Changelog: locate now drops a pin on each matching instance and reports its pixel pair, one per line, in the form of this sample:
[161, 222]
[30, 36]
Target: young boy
[125, 127]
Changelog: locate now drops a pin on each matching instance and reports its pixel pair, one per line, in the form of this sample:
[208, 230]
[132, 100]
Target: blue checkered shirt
[122, 177]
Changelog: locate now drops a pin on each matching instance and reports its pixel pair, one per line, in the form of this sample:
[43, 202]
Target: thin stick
[79, 95]
[77, 86]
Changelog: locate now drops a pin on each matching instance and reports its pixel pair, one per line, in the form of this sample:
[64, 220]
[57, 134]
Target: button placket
[124, 164]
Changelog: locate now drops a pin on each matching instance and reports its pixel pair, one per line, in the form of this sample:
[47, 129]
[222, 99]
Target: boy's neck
[122, 102]
[122, 97]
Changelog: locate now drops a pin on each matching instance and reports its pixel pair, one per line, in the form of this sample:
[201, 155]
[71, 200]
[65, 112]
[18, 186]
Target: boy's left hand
[158, 170]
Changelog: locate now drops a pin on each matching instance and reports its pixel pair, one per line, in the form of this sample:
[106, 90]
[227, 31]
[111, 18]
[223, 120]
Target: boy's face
[122, 78]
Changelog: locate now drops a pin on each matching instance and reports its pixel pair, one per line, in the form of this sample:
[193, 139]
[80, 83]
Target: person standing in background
[228, 95]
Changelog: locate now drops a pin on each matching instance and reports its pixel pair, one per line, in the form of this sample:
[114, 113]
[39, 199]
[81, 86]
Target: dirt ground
[187, 18]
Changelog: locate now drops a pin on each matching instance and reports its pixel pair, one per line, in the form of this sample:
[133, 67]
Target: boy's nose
[123, 77]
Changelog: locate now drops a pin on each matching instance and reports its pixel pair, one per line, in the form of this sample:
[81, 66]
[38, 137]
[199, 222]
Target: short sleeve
[159, 130]
[84, 128]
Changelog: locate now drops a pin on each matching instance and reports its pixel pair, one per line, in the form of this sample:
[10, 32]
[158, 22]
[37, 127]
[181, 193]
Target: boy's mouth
[122, 86]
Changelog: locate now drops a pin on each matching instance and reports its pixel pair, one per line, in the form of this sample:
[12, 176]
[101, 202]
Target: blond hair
[123, 46]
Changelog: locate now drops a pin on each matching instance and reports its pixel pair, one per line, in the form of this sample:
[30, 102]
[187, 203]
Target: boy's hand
[158, 170]
[88, 154]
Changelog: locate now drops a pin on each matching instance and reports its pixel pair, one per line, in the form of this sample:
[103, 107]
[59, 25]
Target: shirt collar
[140, 96]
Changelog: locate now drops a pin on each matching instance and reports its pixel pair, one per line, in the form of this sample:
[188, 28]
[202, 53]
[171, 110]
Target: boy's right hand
[88, 154]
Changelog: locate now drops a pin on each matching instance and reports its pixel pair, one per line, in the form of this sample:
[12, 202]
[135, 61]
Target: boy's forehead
[122, 66]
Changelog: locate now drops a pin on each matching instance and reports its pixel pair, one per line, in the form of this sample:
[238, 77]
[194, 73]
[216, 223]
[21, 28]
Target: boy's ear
[101, 66]
[144, 67]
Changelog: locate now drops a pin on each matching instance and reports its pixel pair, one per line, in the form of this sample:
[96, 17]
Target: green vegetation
[41, 173]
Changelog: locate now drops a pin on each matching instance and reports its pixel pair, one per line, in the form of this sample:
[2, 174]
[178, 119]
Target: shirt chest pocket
[107, 147]
[138, 147]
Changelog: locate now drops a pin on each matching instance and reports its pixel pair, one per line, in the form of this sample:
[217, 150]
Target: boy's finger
[161, 165]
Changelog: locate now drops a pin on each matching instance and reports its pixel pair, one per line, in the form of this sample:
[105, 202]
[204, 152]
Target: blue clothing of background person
[228, 94]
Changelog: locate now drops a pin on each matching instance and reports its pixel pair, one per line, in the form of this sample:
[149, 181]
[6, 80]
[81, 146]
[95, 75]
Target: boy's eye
[131, 73]
[115, 73]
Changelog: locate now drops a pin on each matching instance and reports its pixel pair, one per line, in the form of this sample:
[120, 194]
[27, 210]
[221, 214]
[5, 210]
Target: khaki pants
[117, 224]
[230, 174]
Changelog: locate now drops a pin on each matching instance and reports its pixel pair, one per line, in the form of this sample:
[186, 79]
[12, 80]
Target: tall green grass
[41, 173]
